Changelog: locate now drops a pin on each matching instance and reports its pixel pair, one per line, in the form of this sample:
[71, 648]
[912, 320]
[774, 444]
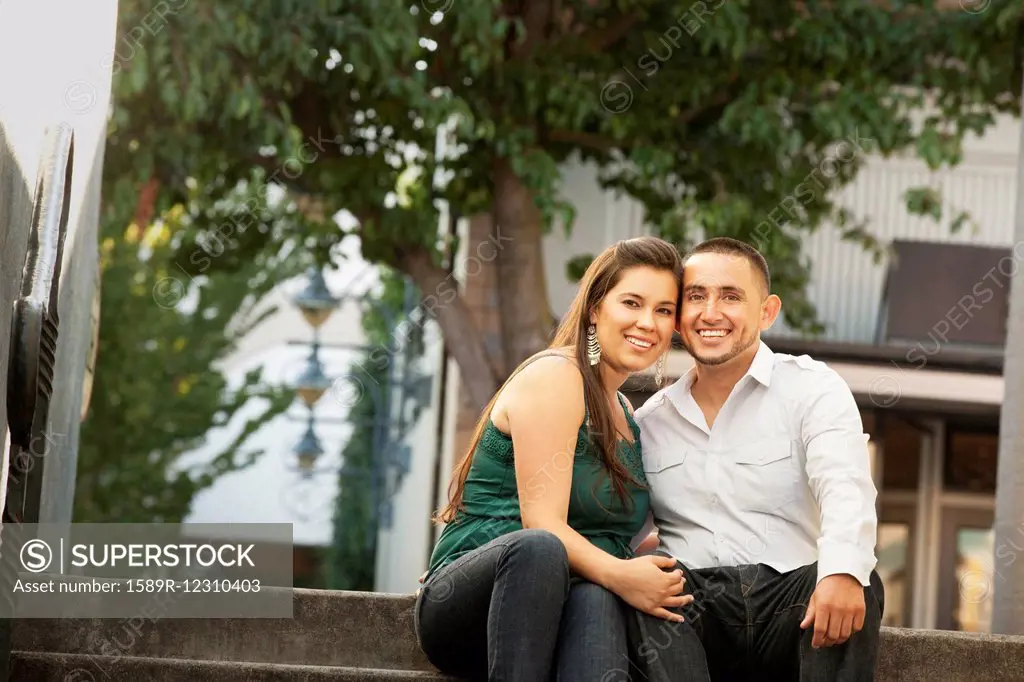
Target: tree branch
[146, 205]
[449, 308]
[536, 17]
[599, 39]
[719, 99]
[583, 139]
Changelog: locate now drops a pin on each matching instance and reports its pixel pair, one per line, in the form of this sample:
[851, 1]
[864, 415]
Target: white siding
[846, 284]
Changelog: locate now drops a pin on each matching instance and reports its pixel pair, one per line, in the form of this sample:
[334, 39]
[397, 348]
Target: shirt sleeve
[839, 473]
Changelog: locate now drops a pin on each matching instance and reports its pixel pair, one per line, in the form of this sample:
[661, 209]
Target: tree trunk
[1008, 576]
[526, 321]
[440, 293]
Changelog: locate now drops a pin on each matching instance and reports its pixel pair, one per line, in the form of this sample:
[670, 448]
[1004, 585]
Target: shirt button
[714, 499]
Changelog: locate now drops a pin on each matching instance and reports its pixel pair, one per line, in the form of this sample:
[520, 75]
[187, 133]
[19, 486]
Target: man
[761, 489]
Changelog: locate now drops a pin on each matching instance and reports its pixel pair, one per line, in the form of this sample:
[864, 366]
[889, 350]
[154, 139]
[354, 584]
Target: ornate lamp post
[316, 304]
[391, 457]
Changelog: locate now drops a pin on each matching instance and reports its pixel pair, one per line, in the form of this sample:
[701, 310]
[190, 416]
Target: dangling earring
[593, 348]
[659, 374]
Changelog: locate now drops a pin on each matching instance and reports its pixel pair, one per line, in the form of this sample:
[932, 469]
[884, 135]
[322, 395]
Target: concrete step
[374, 631]
[329, 628]
[48, 667]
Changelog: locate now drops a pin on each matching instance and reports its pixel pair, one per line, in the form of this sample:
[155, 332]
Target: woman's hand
[643, 584]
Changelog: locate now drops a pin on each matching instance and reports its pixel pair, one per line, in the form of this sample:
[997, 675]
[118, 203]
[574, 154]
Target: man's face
[725, 308]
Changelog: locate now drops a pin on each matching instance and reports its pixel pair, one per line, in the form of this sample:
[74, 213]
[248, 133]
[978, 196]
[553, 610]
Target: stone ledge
[909, 655]
[46, 667]
[368, 630]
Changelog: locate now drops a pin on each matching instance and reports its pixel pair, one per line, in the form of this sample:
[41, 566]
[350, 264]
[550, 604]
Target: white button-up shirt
[783, 478]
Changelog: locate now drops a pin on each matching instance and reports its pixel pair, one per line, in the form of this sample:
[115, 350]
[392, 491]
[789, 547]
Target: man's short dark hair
[734, 247]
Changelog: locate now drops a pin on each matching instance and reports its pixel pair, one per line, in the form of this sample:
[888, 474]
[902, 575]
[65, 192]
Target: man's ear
[770, 310]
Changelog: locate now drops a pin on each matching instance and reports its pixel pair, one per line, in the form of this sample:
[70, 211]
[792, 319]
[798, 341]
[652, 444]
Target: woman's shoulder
[551, 379]
[553, 364]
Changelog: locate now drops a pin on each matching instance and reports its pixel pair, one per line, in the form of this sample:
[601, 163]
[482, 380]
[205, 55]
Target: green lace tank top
[491, 498]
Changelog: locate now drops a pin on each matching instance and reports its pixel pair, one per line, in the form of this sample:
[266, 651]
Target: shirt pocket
[767, 478]
[667, 477]
[660, 460]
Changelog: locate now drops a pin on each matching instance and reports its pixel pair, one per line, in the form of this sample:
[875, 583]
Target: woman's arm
[545, 407]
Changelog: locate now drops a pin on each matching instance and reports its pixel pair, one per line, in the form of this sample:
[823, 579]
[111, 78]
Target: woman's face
[635, 320]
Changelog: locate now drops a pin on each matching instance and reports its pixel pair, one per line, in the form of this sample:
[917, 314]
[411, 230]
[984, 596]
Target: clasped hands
[645, 584]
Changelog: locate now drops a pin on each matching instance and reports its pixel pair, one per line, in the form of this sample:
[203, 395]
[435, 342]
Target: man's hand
[836, 609]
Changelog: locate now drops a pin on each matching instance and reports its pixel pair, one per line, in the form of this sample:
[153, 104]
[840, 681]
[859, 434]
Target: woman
[552, 490]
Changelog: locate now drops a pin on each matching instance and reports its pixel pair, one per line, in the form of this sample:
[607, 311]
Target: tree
[1008, 596]
[158, 388]
[731, 124]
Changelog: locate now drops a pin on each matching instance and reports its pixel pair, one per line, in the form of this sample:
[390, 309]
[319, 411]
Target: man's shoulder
[800, 365]
[651, 405]
[805, 375]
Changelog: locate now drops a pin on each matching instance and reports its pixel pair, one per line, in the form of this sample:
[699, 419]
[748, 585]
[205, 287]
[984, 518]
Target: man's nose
[710, 312]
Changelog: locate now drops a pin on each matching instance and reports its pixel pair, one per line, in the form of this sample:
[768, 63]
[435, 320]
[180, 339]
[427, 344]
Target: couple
[753, 467]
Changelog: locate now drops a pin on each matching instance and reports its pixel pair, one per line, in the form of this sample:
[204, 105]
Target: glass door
[966, 575]
[895, 567]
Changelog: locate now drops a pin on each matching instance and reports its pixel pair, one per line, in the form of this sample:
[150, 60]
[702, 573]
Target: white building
[274, 489]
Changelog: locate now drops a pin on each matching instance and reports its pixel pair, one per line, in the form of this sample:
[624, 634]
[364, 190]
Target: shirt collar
[763, 364]
[760, 370]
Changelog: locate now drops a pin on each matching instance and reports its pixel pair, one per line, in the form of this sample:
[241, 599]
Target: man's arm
[839, 472]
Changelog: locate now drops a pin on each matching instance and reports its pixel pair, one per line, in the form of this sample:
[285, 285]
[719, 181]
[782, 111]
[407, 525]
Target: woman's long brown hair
[602, 275]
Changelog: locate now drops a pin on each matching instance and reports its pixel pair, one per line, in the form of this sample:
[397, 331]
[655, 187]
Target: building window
[970, 464]
[972, 601]
[893, 569]
[901, 455]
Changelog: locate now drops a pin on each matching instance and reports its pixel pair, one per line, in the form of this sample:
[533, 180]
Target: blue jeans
[494, 613]
[601, 641]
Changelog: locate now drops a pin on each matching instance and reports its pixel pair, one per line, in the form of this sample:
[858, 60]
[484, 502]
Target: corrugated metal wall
[846, 284]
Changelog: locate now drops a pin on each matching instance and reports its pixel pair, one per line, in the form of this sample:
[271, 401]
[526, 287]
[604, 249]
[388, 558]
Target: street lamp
[390, 421]
[312, 383]
[308, 449]
[315, 302]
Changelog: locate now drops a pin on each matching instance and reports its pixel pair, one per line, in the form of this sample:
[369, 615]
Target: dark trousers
[746, 621]
[494, 613]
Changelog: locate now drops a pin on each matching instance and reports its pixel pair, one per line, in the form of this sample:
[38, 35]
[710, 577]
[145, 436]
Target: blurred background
[307, 241]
